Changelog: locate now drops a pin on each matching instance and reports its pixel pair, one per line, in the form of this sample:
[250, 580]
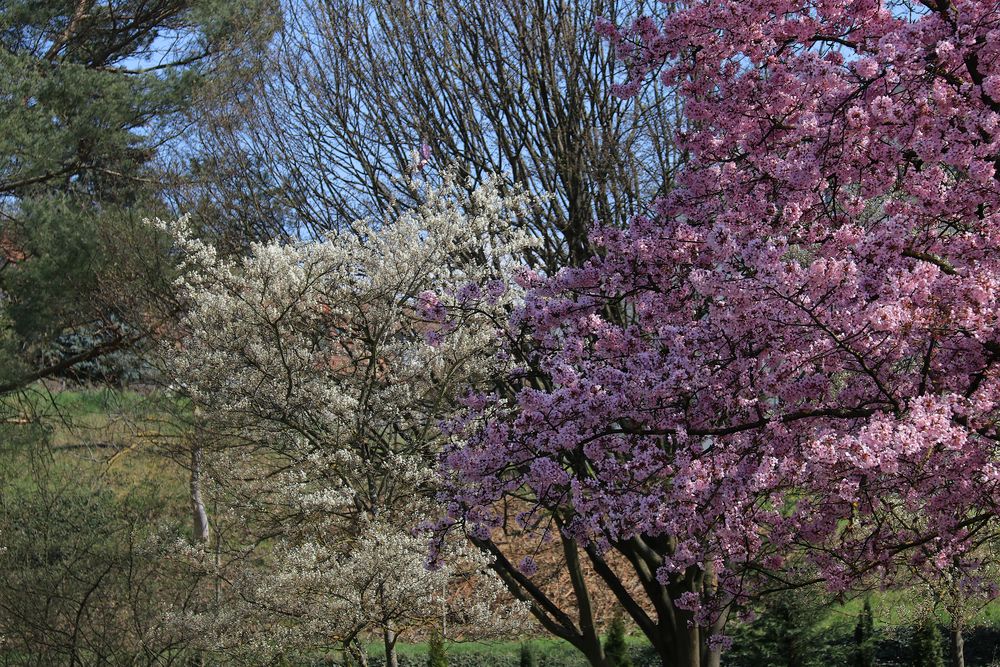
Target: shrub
[925, 647]
[527, 656]
[436, 654]
[615, 648]
[864, 637]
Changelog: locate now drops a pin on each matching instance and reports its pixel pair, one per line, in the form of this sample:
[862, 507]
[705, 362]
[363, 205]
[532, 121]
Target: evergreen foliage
[788, 633]
[91, 92]
[925, 649]
[437, 656]
[615, 648]
[864, 637]
[527, 658]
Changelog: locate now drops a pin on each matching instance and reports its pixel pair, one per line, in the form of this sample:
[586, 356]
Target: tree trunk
[389, 637]
[590, 638]
[200, 532]
[709, 657]
[595, 656]
[687, 646]
[957, 645]
[357, 653]
[198, 512]
[687, 643]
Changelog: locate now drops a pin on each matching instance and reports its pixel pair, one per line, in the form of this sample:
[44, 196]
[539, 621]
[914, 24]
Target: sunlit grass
[124, 436]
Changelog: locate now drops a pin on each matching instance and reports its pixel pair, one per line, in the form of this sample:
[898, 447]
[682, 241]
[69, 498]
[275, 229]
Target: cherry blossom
[788, 370]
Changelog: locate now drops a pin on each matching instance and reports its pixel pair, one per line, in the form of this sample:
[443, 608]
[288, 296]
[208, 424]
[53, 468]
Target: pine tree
[615, 648]
[527, 656]
[89, 97]
[436, 654]
[789, 632]
[925, 649]
[864, 637]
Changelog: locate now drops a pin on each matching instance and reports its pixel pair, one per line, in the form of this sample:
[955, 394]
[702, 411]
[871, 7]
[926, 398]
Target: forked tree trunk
[667, 628]
[688, 646]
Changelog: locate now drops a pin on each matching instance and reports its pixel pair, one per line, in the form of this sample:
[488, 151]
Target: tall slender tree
[864, 637]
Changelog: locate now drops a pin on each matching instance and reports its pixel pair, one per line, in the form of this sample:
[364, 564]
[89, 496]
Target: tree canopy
[92, 92]
[788, 371]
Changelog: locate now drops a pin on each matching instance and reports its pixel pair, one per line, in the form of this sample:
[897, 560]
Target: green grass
[122, 436]
[901, 608]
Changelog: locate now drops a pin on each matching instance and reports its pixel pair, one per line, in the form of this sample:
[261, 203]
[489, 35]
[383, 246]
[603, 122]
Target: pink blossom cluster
[794, 357]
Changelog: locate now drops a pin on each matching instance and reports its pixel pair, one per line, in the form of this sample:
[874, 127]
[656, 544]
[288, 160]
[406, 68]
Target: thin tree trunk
[957, 645]
[709, 657]
[389, 637]
[198, 512]
[590, 638]
[200, 525]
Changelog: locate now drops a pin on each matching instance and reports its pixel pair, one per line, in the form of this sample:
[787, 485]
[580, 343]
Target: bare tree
[351, 88]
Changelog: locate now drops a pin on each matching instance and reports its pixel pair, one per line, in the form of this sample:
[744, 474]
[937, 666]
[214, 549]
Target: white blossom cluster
[315, 595]
[320, 372]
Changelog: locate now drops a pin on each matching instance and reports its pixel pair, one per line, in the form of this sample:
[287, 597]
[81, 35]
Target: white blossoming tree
[319, 379]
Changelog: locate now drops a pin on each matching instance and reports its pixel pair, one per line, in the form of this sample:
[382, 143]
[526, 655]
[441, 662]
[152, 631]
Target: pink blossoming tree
[790, 370]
